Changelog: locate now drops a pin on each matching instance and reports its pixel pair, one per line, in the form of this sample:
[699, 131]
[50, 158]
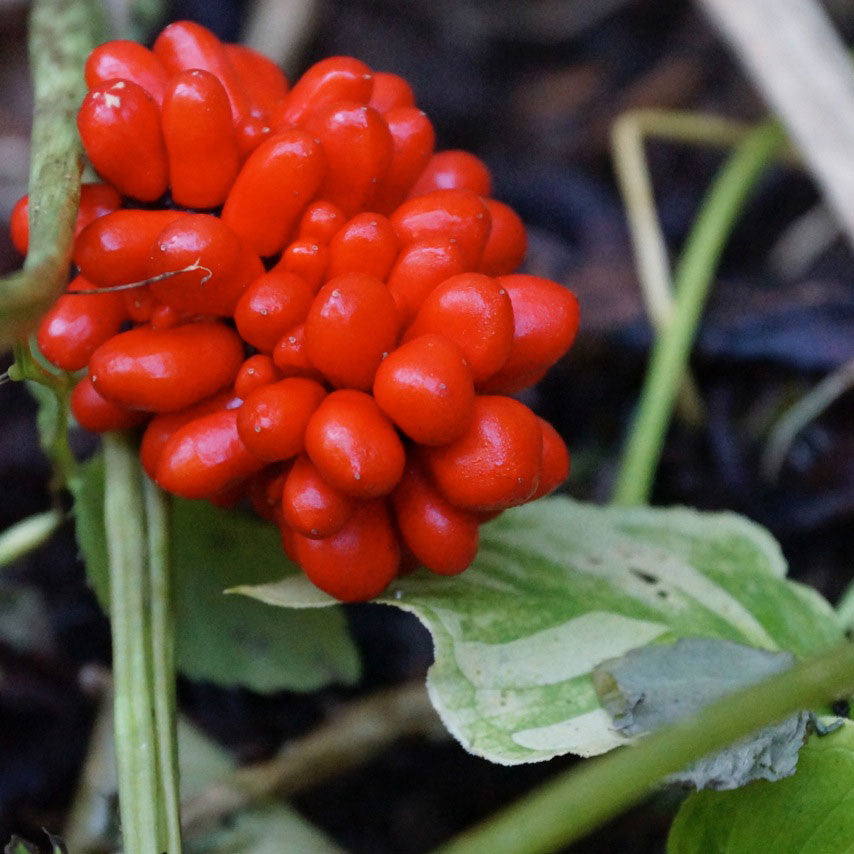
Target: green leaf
[811, 812]
[16, 845]
[560, 586]
[656, 685]
[226, 639]
[845, 608]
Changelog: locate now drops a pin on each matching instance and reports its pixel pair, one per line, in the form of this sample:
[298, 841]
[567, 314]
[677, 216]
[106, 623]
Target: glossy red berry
[275, 184]
[545, 318]
[555, 461]
[205, 456]
[119, 124]
[273, 418]
[390, 92]
[321, 221]
[440, 536]
[77, 324]
[166, 370]
[307, 259]
[258, 370]
[126, 60]
[263, 81]
[496, 463]
[93, 412]
[419, 268]
[218, 265]
[456, 215]
[366, 244]
[413, 141]
[115, 249]
[426, 388]
[185, 45]
[359, 561]
[274, 303]
[337, 78]
[453, 170]
[474, 312]
[507, 242]
[357, 146]
[310, 505]
[351, 325]
[354, 446]
[289, 355]
[201, 143]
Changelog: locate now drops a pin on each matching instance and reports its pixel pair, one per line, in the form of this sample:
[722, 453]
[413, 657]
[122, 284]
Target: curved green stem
[569, 807]
[28, 534]
[693, 278]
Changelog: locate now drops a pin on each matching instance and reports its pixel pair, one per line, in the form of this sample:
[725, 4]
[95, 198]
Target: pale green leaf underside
[558, 587]
[811, 812]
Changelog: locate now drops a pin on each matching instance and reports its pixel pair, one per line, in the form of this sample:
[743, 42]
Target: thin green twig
[694, 274]
[569, 807]
[23, 537]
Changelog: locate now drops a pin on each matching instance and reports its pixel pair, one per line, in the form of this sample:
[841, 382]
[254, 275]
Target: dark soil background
[533, 89]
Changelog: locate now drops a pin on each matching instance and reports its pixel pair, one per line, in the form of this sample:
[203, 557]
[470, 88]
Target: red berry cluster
[335, 336]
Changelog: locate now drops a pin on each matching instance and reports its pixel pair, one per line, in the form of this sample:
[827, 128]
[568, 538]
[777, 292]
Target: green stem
[163, 659]
[569, 807]
[28, 534]
[694, 274]
[136, 740]
[61, 37]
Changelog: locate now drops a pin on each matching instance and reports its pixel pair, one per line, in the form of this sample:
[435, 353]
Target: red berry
[166, 370]
[413, 140]
[337, 78]
[185, 45]
[507, 242]
[358, 147]
[351, 325]
[273, 418]
[263, 81]
[119, 124]
[223, 266]
[453, 170]
[161, 428]
[555, 461]
[265, 491]
[307, 259]
[359, 561]
[290, 356]
[366, 244]
[310, 505]
[354, 446]
[274, 303]
[278, 180]
[442, 537]
[114, 249]
[426, 388]
[205, 456]
[126, 60]
[258, 370]
[321, 221]
[94, 413]
[200, 140]
[419, 268]
[390, 92]
[456, 215]
[474, 312]
[545, 318]
[496, 463]
[76, 325]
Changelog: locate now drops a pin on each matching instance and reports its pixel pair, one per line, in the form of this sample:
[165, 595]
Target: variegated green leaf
[560, 586]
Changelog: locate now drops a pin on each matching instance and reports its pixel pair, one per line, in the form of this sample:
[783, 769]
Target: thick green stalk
[61, 36]
[130, 618]
[163, 659]
[569, 807]
[694, 275]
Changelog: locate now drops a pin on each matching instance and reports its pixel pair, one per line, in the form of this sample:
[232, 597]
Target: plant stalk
[569, 807]
[693, 278]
